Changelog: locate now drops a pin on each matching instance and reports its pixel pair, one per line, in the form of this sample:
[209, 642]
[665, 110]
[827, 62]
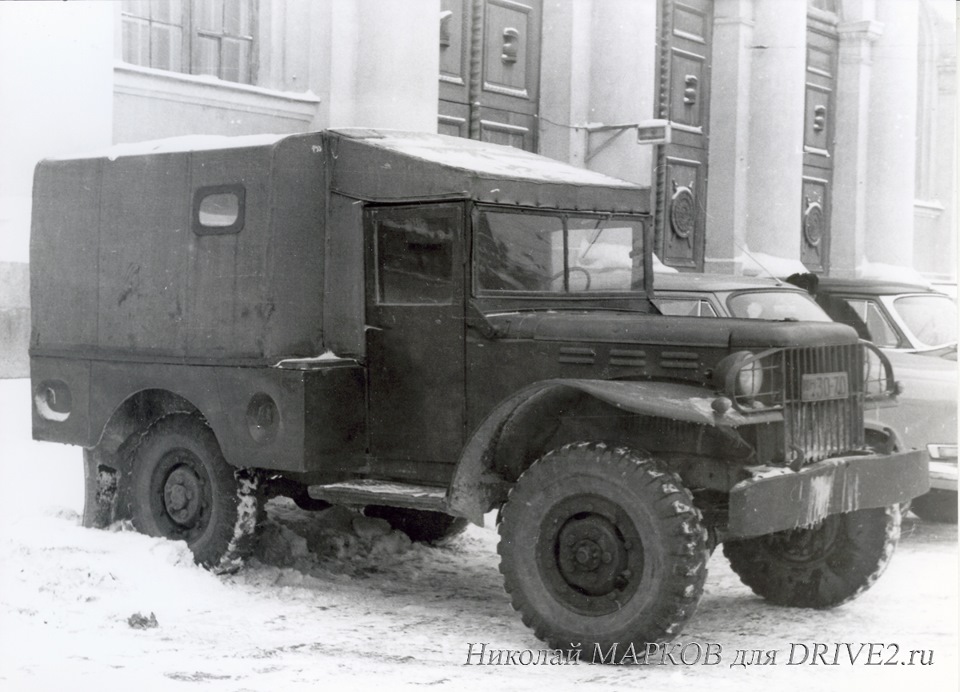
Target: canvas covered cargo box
[250, 249]
[153, 264]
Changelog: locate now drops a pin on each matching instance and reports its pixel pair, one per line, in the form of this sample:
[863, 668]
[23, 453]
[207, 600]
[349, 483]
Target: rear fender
[477, 486]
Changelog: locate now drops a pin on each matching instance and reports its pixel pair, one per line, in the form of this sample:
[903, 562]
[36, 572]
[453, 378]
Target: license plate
[824, 387]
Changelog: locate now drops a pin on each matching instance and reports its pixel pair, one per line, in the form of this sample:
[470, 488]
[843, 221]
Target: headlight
[739, 376]
[750, 380]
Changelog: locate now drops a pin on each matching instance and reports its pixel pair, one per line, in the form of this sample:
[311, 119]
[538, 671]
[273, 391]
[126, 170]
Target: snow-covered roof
[171, 145]
[484, 158]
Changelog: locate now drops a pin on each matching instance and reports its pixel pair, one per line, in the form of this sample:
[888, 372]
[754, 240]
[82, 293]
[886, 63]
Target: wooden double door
[490, 70]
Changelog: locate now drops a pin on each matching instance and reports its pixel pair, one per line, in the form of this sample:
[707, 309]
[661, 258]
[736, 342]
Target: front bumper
[777, 499]
[943, 475]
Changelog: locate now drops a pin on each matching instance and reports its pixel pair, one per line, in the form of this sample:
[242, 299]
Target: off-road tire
[937, 505]
[422, 526]
[183, 489]
[822, 566]
[602, 545]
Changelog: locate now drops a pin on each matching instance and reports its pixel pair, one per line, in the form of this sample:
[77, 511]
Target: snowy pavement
[322, 609]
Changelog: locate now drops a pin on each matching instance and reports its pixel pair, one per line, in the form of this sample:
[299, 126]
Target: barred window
[211, 37]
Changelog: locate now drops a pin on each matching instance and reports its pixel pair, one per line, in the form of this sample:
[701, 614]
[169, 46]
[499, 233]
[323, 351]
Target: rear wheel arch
[136, 413]
[107, 465]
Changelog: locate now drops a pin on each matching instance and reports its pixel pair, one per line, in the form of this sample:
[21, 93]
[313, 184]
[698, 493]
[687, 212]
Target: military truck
[434, 328]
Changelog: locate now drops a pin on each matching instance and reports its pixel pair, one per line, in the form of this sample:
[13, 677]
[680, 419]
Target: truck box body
[175, 293]
[259, 294]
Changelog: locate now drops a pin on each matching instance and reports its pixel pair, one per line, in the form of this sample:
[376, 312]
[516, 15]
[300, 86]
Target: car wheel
[602, 546]
[822, 566]
[183, 489]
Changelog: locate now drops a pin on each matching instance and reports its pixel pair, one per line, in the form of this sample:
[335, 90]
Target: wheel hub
[591, 555]
[183, 495]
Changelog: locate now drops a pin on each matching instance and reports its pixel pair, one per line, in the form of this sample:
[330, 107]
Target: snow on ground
[321, 606]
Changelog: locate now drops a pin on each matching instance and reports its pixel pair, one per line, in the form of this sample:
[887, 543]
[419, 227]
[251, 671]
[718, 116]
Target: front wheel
[183, 489]
[602, 546]
[823, 566]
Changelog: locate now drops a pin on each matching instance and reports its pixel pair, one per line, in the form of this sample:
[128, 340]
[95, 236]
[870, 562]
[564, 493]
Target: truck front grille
[816, 430]
[822, 409]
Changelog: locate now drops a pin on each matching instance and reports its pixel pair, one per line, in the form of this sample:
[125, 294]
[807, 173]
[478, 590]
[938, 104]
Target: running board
[373, 492]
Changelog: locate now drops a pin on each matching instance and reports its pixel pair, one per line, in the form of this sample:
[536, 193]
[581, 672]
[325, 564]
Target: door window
[881, 332]
[415, 256]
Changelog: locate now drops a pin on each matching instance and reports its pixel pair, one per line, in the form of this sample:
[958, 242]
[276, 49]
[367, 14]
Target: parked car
[913, 325]
[723, 295]
[916, 326]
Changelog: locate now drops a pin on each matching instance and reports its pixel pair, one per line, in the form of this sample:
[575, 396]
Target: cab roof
[877, 287]
[390, 165]
[715, 283]
[396, 166]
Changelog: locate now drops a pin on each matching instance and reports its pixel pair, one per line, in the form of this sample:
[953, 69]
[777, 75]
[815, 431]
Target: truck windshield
[557, 253]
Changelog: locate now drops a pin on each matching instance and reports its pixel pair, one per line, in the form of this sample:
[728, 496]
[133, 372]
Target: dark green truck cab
[417, 325]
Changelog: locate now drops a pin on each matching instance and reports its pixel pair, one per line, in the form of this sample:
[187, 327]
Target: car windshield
[776, 305]
[557, 253]
[931, 318]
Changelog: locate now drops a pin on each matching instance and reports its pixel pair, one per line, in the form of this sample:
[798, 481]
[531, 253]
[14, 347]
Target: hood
[642, 328]
[926, 411]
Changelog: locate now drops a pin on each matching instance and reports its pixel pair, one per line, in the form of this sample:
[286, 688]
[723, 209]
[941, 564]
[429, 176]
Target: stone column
[775, 165]
[729, 134]
[892, 125]
[384, 62]
[623, 74]
[565, 80]
[849, 211]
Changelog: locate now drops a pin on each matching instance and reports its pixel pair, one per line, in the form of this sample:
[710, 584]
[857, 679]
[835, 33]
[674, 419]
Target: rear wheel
[822, 566]
[422, 526]
[183, 489]
[601, 546]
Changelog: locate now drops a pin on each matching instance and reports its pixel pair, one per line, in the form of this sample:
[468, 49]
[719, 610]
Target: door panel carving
[684, 99]
[819, 109]
[489, 70]
[683, 212]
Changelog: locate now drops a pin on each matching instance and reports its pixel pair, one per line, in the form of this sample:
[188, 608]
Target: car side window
[881, 332]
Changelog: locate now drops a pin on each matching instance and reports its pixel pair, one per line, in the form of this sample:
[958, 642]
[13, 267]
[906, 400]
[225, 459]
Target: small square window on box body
[218, 210]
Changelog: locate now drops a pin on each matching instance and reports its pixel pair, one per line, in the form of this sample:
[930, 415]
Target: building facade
[817, 131]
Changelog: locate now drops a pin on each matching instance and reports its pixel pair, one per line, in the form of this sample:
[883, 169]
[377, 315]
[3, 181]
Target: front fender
[475, 487]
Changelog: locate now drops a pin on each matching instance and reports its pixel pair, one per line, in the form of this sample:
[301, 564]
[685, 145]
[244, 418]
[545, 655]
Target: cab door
[414, 333]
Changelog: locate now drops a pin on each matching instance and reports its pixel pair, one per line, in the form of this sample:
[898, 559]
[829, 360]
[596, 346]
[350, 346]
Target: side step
[365, 491]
